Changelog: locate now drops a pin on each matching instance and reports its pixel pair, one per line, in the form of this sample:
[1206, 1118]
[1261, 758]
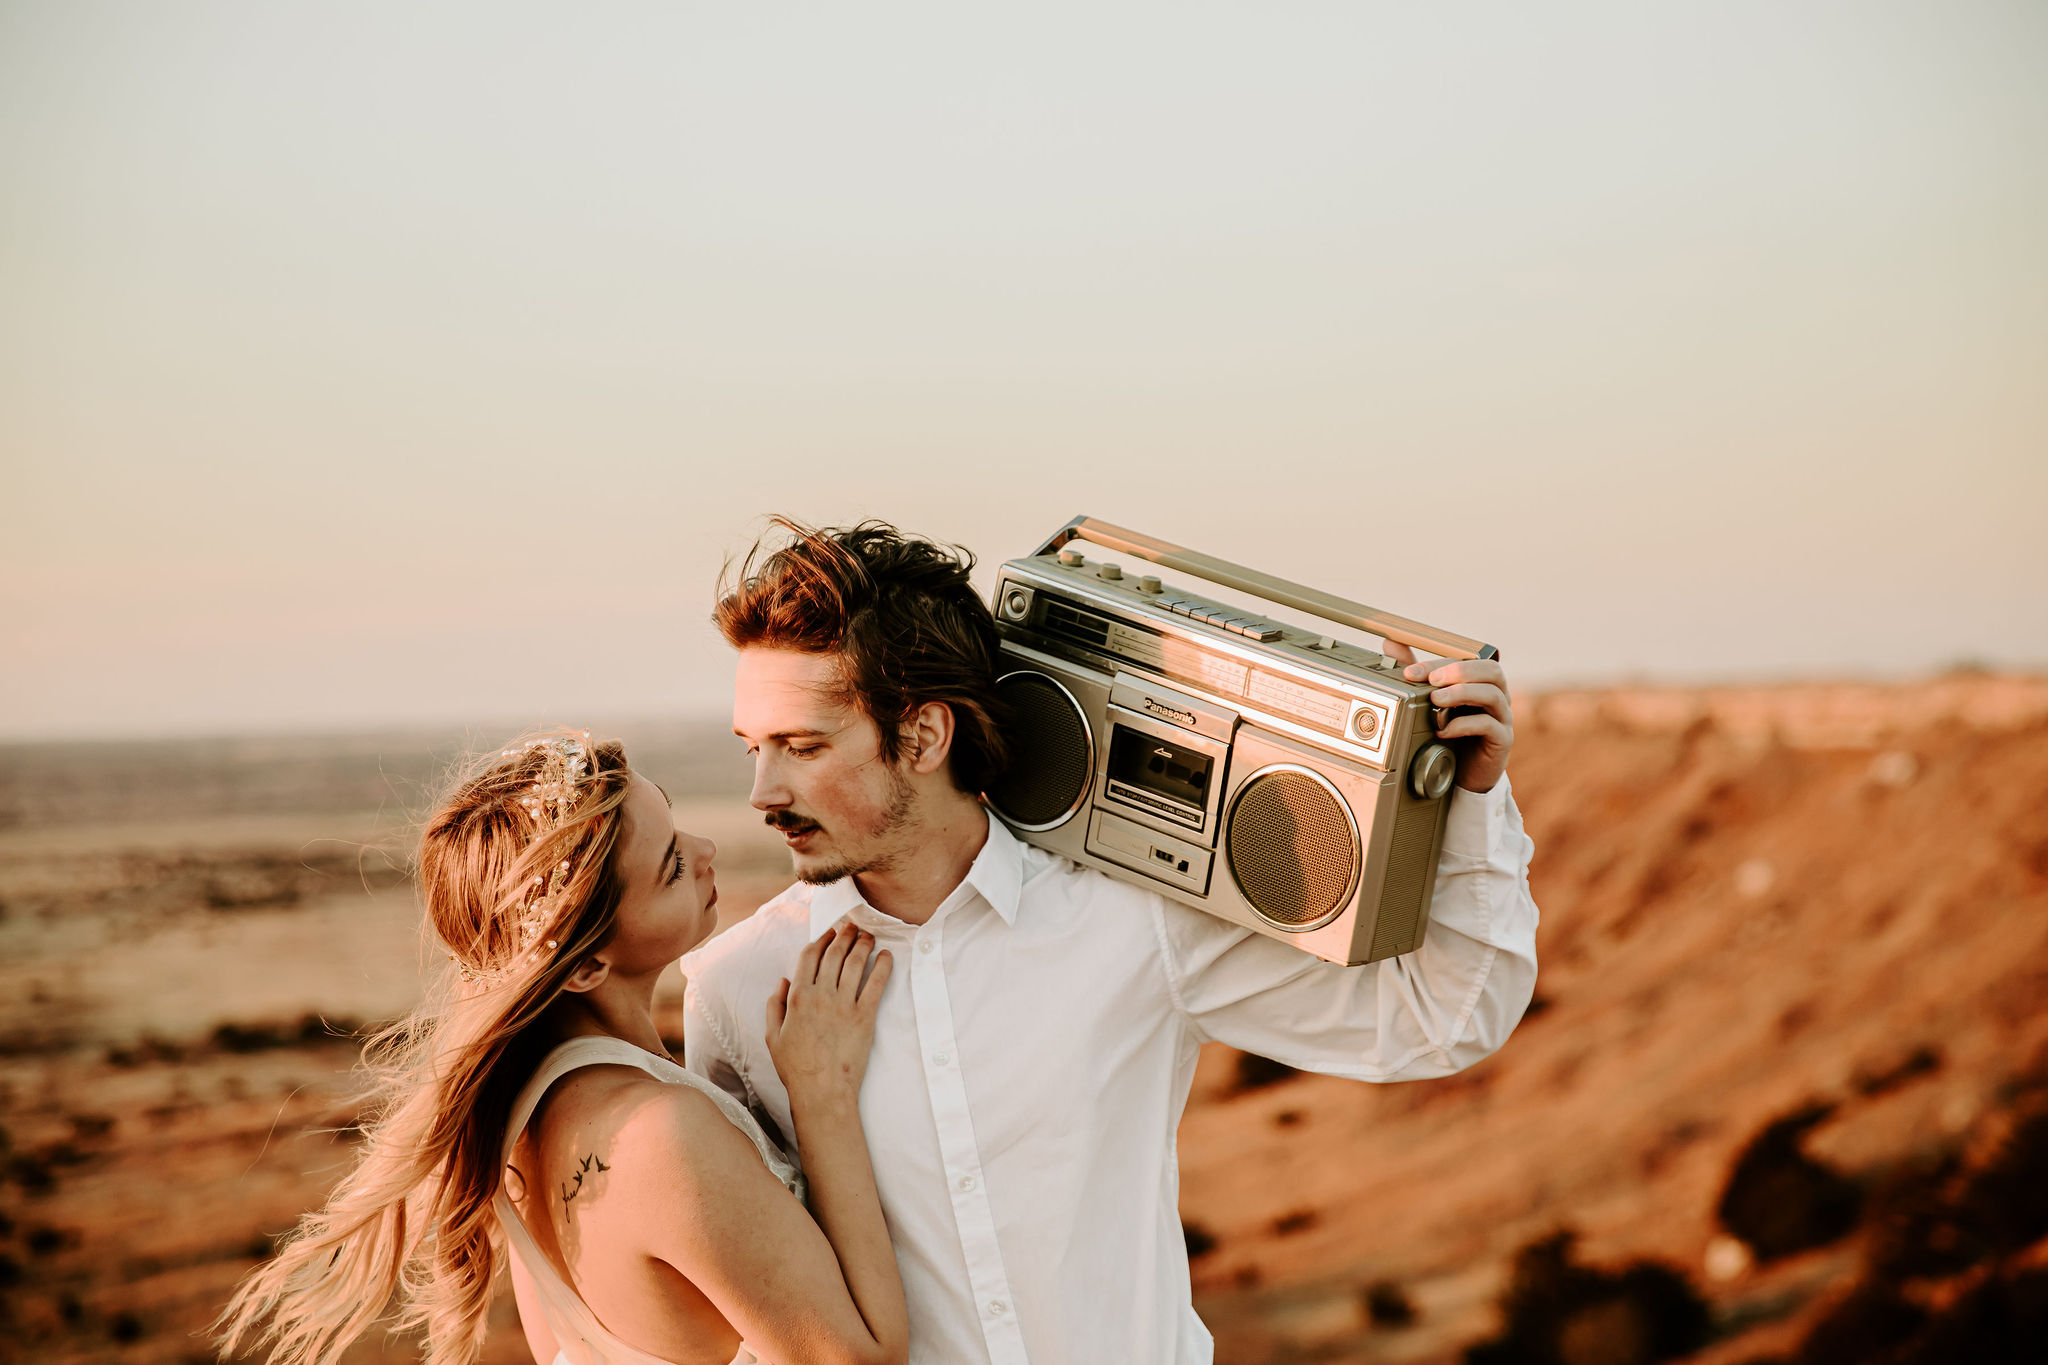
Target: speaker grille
[1051, 756]
[1292, 847]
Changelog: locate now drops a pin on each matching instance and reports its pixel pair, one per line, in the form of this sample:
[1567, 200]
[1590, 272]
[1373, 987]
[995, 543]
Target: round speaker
[1292, 845]
[1052, 753]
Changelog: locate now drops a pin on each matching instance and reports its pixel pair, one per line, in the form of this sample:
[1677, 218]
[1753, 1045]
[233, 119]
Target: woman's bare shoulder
[687, 1130]
[642, 1117]
[600, 1095]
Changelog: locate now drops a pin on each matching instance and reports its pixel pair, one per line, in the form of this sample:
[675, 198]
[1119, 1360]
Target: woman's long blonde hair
[413, 1220]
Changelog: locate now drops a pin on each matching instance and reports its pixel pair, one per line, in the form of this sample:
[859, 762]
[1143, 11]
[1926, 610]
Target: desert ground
[1782, 1095]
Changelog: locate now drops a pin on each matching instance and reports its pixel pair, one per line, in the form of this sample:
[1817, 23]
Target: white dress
[582, 1339]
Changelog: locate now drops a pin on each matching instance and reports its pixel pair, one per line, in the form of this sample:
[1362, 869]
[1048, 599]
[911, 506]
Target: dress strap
[577, 1053]
[582, 1339]
[604, 1050]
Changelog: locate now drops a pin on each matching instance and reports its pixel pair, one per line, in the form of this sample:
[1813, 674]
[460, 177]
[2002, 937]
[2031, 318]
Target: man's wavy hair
[898, 612]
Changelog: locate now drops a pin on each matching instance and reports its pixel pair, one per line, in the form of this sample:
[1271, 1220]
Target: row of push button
[1251, 627]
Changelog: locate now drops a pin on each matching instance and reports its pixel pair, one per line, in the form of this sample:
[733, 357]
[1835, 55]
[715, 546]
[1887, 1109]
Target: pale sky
[376, 364]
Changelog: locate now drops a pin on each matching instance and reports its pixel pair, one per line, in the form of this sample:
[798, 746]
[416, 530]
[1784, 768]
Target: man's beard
[848, 864]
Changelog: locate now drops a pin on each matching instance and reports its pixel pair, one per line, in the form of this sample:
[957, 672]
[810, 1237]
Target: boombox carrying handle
[1326, 605]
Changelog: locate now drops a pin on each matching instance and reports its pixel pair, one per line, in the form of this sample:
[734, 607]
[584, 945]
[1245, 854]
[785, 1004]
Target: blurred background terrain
[371, 371]
[1781, 1095]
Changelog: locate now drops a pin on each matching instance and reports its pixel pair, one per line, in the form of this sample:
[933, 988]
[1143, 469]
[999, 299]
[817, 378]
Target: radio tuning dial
[1429, 776]
[1112, 572]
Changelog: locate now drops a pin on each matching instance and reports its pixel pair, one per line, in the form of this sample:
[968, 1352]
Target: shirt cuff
[1475, 820]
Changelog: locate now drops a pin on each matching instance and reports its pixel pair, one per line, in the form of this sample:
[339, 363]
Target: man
[1034, 1051]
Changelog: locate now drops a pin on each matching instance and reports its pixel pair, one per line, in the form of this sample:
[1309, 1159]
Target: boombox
[1276, 778]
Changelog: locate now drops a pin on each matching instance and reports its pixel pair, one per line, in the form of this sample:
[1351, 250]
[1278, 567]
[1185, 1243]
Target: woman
[646, 1216]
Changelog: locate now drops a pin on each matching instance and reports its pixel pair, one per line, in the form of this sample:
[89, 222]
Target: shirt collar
[831, 903]
[997, 875]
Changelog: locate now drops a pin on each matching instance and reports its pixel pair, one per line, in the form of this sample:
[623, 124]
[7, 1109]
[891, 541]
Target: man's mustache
[788, 823]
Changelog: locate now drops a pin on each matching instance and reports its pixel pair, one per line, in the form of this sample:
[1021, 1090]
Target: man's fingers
[1411, 669]
[1443, 672]
[1485, 696]
[1397, 651]
[1479, 725]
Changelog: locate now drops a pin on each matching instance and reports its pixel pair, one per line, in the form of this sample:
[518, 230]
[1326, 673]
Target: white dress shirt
[1034, 1050]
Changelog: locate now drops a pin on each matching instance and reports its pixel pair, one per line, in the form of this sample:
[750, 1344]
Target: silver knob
[1073, 559]
[1112, 572]
[1429, 776]
[1149, 583]
[1366, 723]
[1016, 605]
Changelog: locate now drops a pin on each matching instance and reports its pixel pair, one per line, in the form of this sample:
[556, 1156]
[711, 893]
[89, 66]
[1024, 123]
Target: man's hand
[1489, 732]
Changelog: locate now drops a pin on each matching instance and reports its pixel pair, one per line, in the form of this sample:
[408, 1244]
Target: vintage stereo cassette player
[1277, 778]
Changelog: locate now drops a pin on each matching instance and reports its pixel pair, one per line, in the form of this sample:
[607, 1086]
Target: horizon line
[443, 729]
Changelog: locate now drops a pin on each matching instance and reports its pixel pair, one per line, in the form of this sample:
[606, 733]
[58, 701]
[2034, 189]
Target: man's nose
[769, 793]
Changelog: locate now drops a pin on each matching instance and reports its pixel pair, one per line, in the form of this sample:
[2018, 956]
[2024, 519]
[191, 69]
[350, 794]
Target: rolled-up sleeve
[1439, 1009]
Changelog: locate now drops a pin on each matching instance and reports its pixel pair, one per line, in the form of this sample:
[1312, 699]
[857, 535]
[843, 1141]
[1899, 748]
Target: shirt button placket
[974, 1219]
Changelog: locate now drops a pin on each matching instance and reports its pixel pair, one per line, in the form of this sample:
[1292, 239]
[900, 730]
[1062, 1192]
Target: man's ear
[589, 974]
[930, 737]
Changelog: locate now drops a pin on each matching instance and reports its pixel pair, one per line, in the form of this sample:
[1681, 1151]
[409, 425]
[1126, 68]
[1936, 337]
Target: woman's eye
[675, 872]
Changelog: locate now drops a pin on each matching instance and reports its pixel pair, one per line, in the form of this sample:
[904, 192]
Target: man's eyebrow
[668, 860]
[794, 734]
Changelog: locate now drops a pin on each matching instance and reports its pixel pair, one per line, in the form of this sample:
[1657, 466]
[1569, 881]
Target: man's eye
[805, 751]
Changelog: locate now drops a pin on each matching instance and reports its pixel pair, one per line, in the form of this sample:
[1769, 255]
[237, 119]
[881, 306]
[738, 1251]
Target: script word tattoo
[591, 1165]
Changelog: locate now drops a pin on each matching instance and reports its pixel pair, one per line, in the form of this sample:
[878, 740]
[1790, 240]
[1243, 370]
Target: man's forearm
[1451, 1002]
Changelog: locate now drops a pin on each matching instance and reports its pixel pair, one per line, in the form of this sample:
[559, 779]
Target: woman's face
[668, 900]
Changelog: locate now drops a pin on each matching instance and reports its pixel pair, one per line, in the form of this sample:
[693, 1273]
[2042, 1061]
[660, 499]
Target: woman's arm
[823, 1290]
[821, 1025]
[708, 1207]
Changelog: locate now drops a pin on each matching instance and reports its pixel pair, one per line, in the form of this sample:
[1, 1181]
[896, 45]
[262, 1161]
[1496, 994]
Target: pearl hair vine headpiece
[549, 802]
